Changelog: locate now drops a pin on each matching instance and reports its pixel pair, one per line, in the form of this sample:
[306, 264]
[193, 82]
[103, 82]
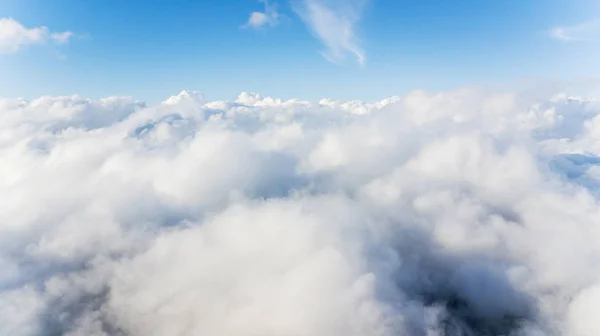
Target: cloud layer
[456, 213]
[14, 36]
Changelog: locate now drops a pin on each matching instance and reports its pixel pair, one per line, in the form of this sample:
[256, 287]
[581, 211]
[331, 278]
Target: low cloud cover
[460, 213]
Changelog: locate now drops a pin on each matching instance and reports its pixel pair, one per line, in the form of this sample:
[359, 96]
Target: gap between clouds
[14, 36]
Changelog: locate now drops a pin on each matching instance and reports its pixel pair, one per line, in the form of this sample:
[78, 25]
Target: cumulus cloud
[334, 23]
[14, 36]
[455, 213]
[270, 17]
[586, 31]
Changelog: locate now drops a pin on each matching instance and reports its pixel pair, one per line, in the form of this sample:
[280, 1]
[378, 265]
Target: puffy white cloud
[193, 97]
[13, 36]
[260, 19]
[585, 31]
[334, 23]
[454, 213]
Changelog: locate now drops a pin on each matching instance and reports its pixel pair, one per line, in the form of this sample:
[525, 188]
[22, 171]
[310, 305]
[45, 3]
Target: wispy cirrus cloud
[585, 31]
[334, 23]
[270, 17]
[14, 36]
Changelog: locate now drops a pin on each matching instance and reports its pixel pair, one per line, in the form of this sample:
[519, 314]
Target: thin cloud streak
[586, 31]
[335, 23]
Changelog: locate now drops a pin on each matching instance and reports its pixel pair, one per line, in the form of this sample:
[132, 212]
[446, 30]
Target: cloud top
[454, 213]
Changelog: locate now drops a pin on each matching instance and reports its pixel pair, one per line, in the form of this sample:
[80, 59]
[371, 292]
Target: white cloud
[427, 214]
[61, 38]
[260, 19]
[13, 36]
[334, 23]
[194, 97]
[586, 31]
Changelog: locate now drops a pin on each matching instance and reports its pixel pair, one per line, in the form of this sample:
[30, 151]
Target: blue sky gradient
[153, 49]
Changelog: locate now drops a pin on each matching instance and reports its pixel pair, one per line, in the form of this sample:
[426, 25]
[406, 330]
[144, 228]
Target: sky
[308, 49]
[449, 187]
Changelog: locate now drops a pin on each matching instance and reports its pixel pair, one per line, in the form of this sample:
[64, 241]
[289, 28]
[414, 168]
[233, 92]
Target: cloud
[334, 23]
[587, 31]
[468, 212]
[14, 36]
[260, 19]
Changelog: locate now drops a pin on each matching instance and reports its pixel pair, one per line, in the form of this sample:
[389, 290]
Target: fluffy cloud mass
[13, 36]
[455, 213]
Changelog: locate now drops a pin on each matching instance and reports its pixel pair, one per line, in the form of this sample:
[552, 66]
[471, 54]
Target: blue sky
[306, 49]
